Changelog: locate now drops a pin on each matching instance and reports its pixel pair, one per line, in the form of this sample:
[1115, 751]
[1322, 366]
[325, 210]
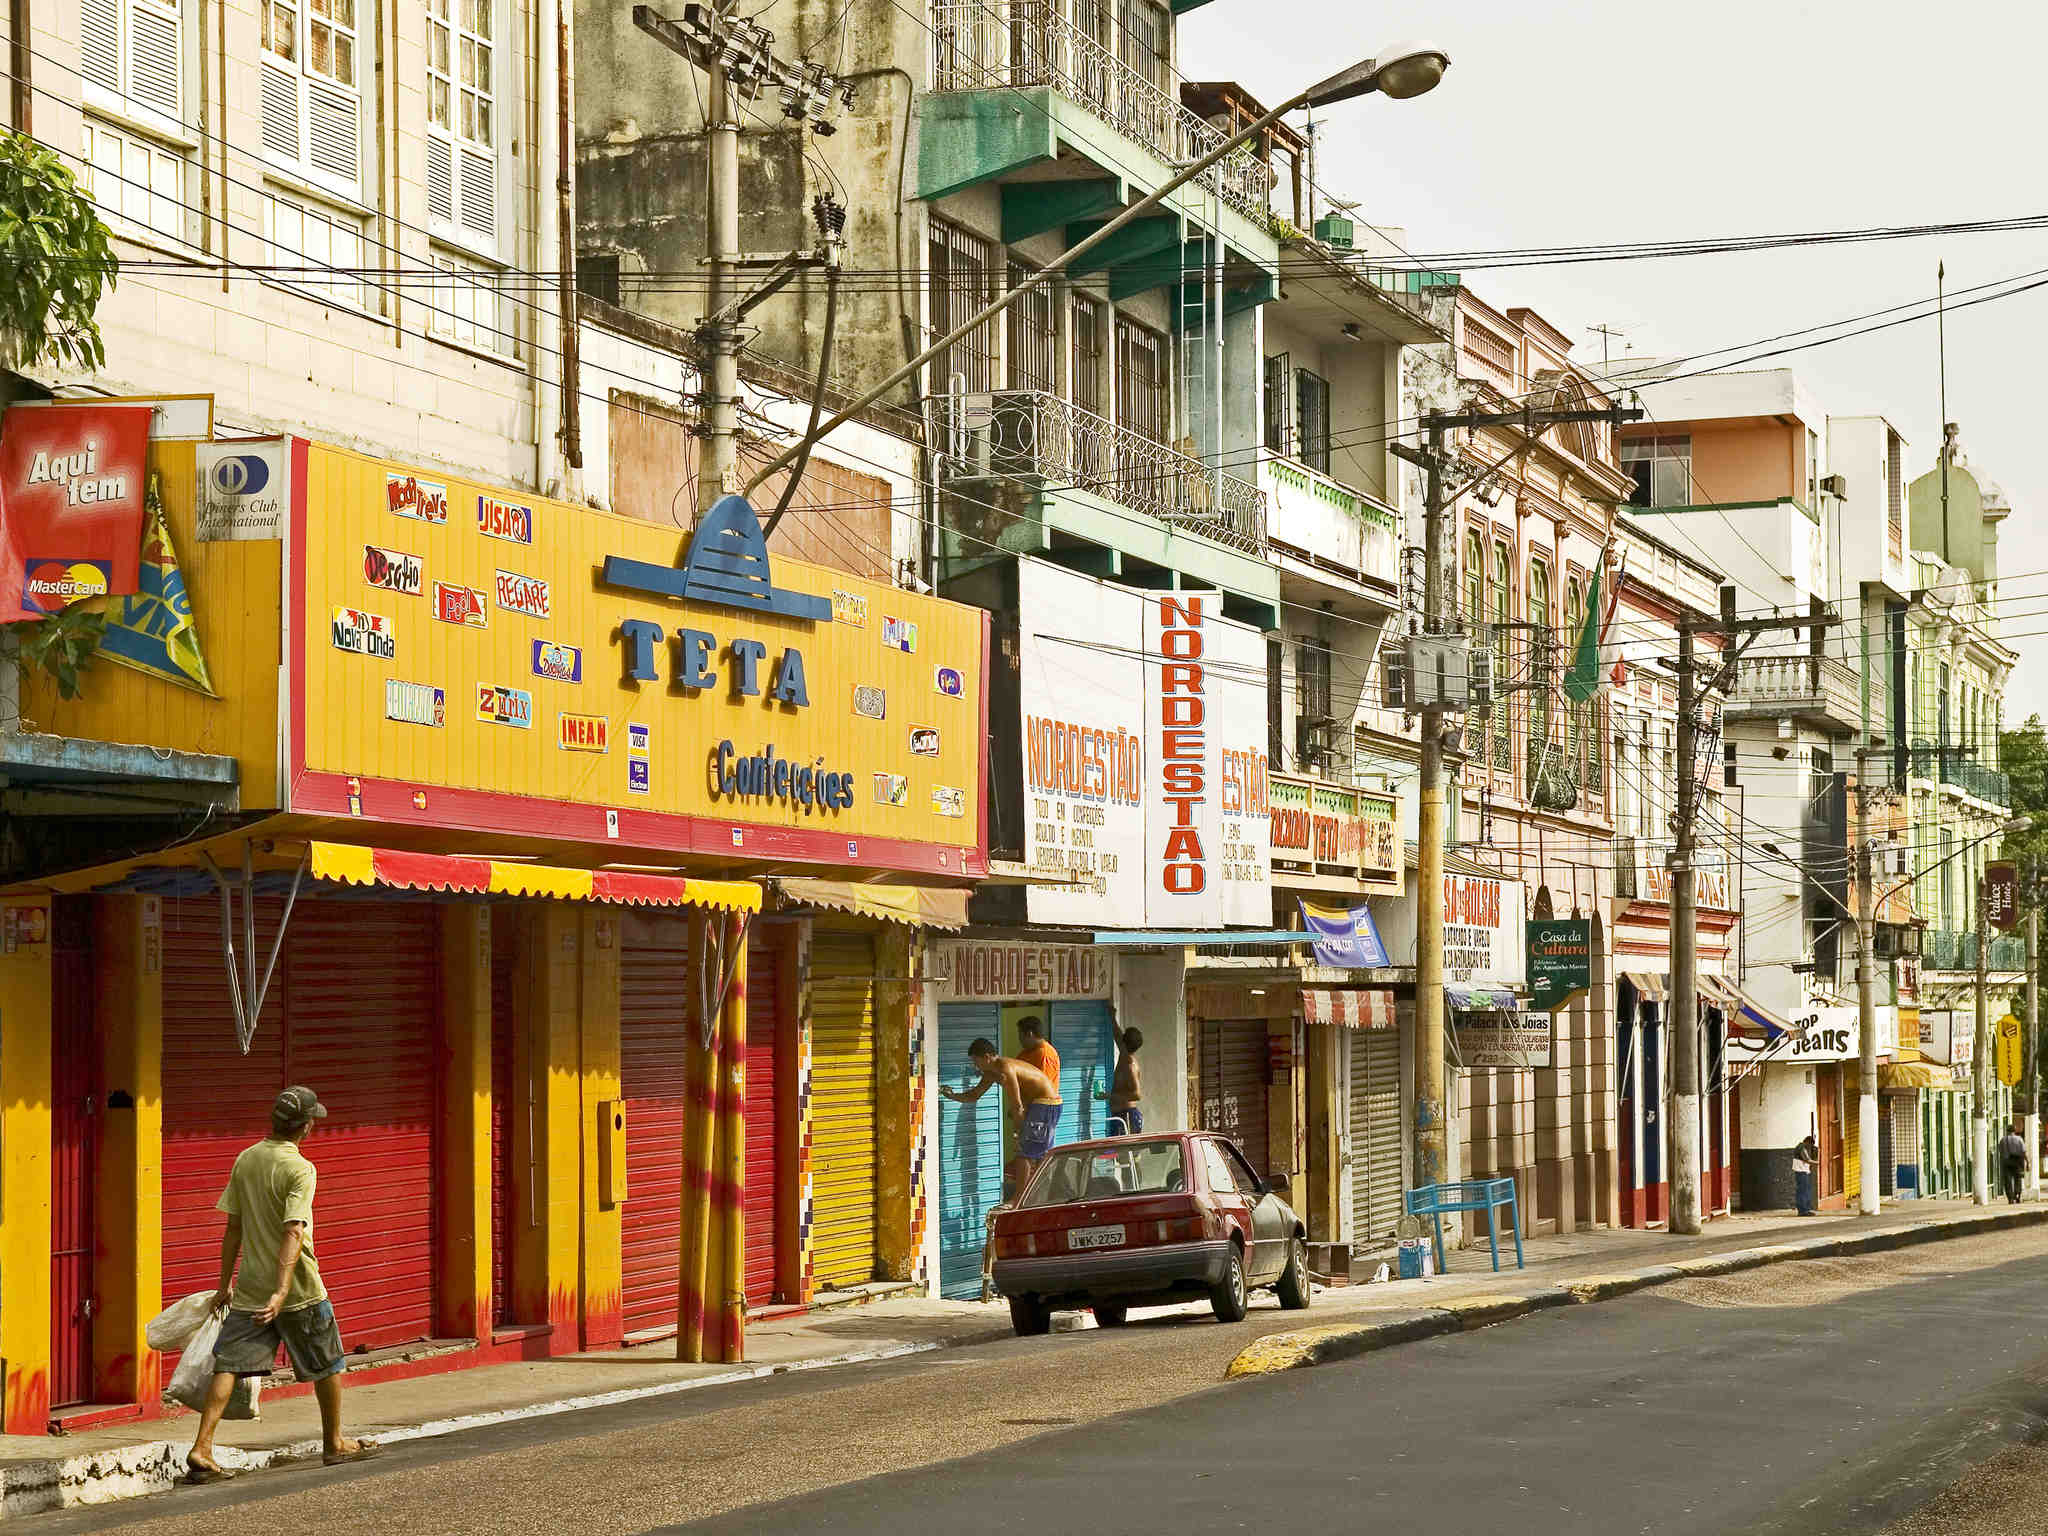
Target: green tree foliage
[2023, 754]
[58, 259]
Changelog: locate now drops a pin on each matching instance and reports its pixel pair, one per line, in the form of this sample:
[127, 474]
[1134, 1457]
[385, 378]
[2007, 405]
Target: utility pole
[1683, 1113]
[2033, 1073]
[1432, 1114]
[1980, 1096]
[1684, 1119]
[736, 55]
[1432, 1144]
[721, 342]
[1866, 997]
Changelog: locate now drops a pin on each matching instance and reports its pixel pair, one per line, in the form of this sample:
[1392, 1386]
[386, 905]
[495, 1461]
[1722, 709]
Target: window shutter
[280, 112]
[153, 55]
[479, 194]
[440, 178]
[99, 28]
[332, 141]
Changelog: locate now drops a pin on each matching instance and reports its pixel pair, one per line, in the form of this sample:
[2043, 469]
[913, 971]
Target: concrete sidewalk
[132, 1459]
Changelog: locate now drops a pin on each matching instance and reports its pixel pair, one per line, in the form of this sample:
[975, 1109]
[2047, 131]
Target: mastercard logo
[51, 585]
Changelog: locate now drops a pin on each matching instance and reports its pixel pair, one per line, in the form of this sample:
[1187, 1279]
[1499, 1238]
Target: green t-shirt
[272, 1184]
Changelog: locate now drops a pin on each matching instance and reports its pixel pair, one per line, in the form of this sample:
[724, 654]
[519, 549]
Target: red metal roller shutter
[216, 1100]
[654, 1076]
[365, 989]
[505, 1103]
[764, 974]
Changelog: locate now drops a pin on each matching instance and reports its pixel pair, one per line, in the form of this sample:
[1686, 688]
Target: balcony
[1330, 524]
[1553, 782]
[1030, 43]
[1818, 690]
[1625, 885]
[1955, 949]
[1957, 768]
[1033, 438]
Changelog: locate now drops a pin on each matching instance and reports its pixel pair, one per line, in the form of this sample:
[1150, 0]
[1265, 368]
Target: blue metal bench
[1488, 1195]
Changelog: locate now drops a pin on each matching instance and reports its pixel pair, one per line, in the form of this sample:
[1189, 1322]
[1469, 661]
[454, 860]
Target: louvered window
[469, 305]
[132, 60]
[312, 92]
[462, 121]
[132, 55]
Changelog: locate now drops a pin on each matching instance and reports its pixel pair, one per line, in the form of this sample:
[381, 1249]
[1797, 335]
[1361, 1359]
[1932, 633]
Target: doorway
[74, 1152]
[1827, 1093]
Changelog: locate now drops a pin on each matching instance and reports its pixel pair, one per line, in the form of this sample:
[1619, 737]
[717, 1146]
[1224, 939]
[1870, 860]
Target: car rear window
[1101, 1173]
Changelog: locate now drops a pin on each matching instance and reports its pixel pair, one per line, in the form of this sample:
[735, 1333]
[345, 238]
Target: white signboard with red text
[1209, 833]
[1082, 684]
[1144, 718]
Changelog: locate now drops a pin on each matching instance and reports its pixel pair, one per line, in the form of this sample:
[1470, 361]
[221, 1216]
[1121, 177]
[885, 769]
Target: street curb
[136, 1471]
[1327, 1342]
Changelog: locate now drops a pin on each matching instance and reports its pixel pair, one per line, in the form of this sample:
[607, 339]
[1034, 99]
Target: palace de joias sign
[455, 655]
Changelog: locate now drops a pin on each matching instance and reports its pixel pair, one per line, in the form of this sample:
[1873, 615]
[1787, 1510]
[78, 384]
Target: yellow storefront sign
[2008, 1050]
[633, 684]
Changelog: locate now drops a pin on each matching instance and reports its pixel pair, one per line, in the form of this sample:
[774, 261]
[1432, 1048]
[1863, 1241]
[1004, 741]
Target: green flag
[1583, 680]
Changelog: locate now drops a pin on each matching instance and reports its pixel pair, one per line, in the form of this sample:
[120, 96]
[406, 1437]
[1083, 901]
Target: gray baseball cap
[298, 1105]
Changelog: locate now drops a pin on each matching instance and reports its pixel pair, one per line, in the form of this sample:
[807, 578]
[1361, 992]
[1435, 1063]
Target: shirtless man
[1029, 1095]
[1127, 1090]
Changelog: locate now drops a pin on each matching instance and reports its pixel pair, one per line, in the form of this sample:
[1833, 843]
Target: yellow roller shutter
[842, 1109]
[1852, 1130]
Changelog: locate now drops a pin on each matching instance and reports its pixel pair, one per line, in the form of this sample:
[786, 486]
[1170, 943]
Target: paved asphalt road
[1817, 1397]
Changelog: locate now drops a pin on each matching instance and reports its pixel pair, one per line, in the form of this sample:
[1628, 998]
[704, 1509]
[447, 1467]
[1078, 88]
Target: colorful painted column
[462, 1303]
[600, 1253]
[128, 1202]
[25, 1165]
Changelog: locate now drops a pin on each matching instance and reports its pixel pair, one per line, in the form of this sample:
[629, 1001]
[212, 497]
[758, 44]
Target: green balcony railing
[1955, 949]
[1958, 766]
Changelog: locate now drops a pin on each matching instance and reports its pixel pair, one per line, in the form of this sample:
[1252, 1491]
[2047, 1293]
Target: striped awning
[1916, 1074]
[917, 906]
[1349, 1007]
[1650, 985]
[399, 869]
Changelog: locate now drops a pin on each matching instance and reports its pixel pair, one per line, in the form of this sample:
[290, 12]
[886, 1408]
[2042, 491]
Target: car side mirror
[1275, 1184]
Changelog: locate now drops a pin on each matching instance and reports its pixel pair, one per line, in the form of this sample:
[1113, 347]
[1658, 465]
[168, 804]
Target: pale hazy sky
[1566, 124]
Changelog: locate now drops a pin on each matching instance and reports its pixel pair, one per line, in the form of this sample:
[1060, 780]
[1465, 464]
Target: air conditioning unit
[1336, 232]
[1836, 486]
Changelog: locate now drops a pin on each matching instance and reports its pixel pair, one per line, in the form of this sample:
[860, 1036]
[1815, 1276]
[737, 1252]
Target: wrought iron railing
[984, 44]
[1958, 766]
[1027, 434]
[1553, 779]
[1955, 949]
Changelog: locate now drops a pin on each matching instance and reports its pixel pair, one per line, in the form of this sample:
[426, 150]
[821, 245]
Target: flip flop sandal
[198, 1474]
[363, 1452]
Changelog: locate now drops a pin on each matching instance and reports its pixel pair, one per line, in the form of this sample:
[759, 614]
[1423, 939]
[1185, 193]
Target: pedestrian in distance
[276, 1297]
[1127, 1089]
[1805, 1158]
[2012, 1161]
[1032, 1099]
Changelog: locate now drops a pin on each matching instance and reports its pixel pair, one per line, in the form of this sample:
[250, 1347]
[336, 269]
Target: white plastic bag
[173, 1327]
[194, 1374]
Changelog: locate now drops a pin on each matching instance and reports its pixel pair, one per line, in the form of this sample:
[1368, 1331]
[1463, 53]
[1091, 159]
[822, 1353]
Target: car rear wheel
[1293, 1288]
[1111, 1314]
[1232, 1299]
[1029, 1316]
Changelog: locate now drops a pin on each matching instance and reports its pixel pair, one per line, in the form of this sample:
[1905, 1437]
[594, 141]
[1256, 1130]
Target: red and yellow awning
[401, 869]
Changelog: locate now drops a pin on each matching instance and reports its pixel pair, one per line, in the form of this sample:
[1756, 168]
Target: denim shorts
[309, 1335]
[1035, 1133]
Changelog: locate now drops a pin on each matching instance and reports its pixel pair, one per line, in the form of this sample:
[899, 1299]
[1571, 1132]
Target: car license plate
[1096, 1237]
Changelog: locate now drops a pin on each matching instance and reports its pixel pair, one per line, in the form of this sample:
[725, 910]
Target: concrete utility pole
[721, 340]
[736, 56]
[1980, 1085]
[1683, 1112]
[1431, 1133]
[1432, 1116]
[2032, 1077]
[1684, 1119]
[1866, 999]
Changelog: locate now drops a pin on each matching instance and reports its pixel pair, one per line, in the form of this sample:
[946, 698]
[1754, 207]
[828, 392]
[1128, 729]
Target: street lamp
[1399, 71]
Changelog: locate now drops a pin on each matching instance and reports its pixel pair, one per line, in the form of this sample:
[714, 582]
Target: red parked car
[1144, 1220]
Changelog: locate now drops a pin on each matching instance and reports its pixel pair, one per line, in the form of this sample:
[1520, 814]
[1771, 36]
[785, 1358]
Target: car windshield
[1100, 1173]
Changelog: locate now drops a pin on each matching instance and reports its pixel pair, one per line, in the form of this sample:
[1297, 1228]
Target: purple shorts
[1035, 1133]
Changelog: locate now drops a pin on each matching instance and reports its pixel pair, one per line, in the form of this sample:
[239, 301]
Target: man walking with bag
[2012, 1162]
[278, 1298]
